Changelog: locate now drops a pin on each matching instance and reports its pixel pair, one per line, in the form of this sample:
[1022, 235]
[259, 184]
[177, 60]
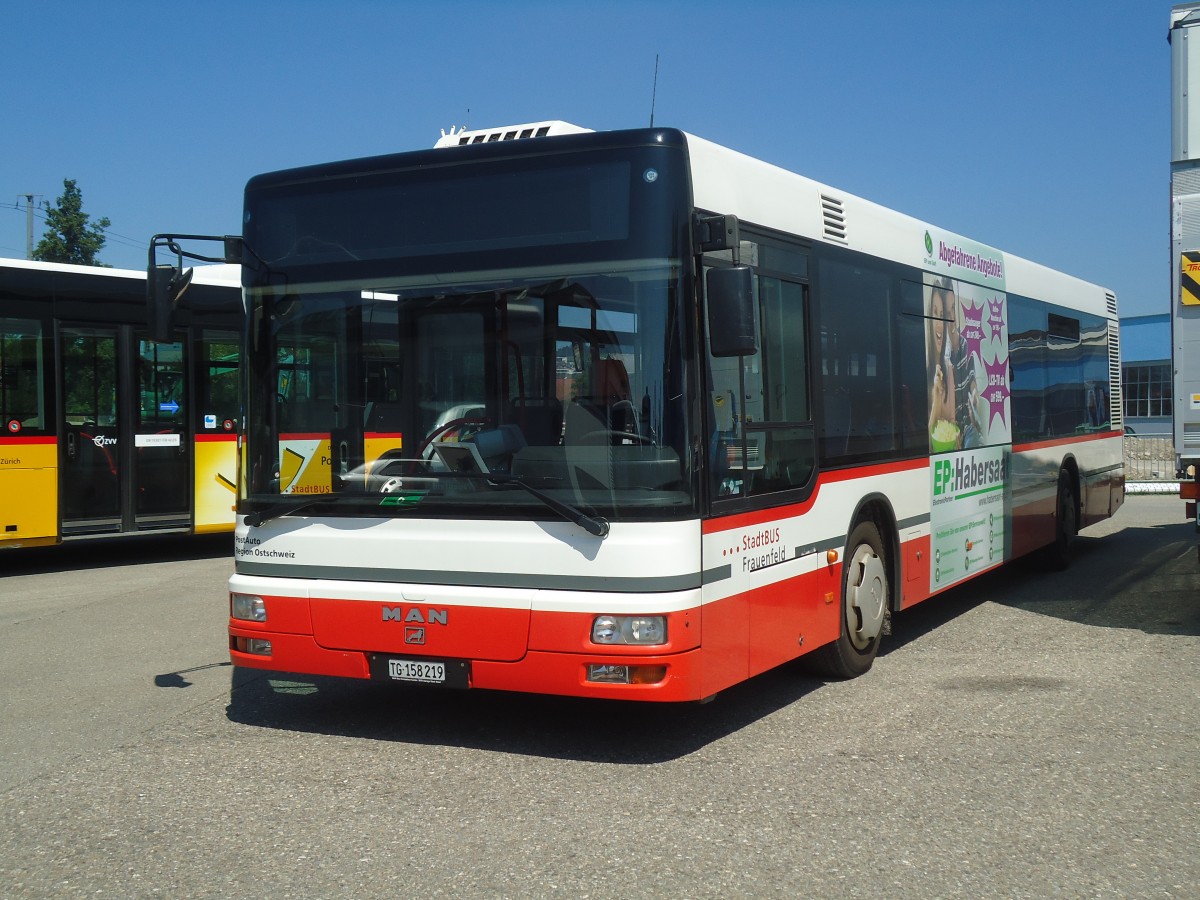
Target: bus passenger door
[162, 452]
[90, 468]
[125, 462]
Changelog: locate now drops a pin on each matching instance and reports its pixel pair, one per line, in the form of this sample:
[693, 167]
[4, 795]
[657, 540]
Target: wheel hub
[866, 597]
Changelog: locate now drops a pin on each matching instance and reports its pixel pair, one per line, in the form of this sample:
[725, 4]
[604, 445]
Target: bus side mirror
[730, 312]
[165, 284]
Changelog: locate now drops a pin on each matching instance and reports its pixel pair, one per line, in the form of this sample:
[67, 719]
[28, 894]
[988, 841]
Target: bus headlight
[642, 630]
[249, 607]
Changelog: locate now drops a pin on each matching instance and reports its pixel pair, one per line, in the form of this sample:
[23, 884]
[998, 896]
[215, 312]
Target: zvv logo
[943, 474]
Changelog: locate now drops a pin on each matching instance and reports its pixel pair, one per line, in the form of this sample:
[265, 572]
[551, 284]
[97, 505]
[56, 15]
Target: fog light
[248, 607]
[641, 630]
[607, 674]
[255, 646]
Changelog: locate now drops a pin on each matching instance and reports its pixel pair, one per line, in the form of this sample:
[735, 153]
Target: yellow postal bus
[102, 431]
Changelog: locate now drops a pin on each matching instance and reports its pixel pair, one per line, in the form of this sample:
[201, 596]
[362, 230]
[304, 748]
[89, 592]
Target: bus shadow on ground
[1142, 578]
[586, 730]
[602, 731]
[110, 552]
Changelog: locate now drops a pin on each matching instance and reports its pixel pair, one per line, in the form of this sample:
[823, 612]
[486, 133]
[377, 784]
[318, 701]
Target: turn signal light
[647, 674]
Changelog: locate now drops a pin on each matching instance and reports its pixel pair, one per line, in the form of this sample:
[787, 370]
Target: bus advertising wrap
[968, 521]
[970, 427]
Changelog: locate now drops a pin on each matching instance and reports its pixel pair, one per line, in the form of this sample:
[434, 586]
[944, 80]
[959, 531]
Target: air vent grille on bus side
[1191, 436]
[834, 215]
[1116, 404]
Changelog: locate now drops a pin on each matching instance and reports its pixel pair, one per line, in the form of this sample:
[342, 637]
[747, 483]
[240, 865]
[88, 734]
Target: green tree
[69, 238]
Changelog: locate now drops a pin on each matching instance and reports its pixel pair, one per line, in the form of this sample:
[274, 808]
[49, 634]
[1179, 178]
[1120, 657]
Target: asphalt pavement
[1025, 735]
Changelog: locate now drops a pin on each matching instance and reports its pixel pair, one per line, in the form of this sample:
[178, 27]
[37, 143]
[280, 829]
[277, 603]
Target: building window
[1147, 390]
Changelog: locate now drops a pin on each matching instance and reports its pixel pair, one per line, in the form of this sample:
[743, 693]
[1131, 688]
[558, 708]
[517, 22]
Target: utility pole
[28, 225]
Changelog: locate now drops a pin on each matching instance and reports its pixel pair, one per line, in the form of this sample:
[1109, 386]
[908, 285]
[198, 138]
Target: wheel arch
[877, 508]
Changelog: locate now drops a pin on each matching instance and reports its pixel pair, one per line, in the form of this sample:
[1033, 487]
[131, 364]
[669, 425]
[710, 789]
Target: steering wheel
[449, 426]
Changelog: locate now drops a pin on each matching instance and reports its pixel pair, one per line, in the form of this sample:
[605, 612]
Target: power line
[109, 235]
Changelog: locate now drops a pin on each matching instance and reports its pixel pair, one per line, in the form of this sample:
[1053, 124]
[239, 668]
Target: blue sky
[1040, 128]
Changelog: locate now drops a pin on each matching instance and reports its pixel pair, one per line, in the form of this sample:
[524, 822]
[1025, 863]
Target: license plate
[412, 670]
[451, 673]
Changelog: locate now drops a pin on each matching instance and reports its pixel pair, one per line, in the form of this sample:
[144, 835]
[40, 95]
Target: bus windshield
[456, 399]
[475, 333]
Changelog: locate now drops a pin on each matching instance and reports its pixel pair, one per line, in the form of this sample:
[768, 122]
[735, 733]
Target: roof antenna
[654, 91]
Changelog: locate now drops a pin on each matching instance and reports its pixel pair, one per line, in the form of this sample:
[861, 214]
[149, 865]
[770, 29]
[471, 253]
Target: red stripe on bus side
[9, 440]
[1066, 441]
[758, 516]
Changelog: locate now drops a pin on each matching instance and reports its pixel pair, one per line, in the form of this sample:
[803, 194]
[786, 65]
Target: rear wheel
[1066, 522]
[866, 605]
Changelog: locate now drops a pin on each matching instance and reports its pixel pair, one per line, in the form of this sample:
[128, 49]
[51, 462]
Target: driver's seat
[593, 418]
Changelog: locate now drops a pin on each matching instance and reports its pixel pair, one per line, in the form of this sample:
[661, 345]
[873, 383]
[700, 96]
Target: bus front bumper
[670, 677]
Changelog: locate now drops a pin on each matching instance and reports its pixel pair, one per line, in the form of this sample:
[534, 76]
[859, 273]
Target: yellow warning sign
[1189, 278]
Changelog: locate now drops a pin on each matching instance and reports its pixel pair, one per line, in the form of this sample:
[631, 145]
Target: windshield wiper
[597, 525]
[255, 519]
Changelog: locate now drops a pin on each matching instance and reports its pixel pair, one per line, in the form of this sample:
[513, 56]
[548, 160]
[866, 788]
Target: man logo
[943, 474]
[414, 634]
[416, 616]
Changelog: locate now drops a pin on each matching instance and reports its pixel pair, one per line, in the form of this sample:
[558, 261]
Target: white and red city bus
[633, 415]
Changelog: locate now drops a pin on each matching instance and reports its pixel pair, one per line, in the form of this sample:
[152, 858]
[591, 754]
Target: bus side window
[22, 394]
[1027, 340]
[763, 439]
[857, 406]
[783, 435]
[217, 380]
[912, 394]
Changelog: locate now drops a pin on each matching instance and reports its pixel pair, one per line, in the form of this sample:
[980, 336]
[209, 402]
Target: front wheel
[866, 602]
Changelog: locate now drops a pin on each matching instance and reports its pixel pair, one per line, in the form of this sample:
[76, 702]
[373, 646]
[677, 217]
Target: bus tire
[1066, 523]
[866, 607]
